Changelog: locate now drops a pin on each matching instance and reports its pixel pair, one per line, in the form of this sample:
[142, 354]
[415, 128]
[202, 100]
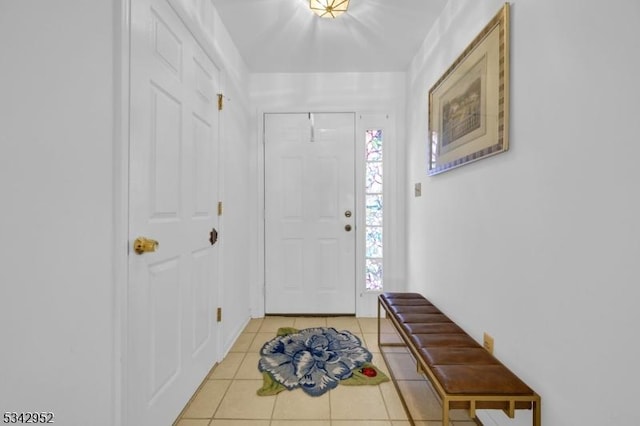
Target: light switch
[418, 189]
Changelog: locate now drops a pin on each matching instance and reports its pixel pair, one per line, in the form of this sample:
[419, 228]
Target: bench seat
[461, 371]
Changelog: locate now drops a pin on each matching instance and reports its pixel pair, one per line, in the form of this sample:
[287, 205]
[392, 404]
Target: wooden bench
[462, 372]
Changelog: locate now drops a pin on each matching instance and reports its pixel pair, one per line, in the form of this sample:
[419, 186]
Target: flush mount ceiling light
[329, 8]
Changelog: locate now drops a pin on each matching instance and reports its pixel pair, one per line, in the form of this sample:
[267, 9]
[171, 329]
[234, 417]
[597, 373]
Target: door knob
[347, 228]
[145, 245]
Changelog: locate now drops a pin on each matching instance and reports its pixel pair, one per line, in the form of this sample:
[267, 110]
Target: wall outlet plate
[488, 343]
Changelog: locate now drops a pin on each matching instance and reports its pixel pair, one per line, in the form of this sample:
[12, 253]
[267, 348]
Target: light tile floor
[227, 397]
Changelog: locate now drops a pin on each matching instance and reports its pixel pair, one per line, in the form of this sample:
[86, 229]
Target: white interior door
[310, 213]
[173, 292]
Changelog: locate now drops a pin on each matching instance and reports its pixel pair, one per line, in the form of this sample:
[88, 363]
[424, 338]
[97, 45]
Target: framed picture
[469, 104]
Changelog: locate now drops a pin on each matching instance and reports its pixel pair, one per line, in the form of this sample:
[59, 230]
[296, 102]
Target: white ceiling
[285, 36]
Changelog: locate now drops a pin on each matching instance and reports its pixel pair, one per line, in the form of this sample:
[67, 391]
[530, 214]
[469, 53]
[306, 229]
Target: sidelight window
[373, 210]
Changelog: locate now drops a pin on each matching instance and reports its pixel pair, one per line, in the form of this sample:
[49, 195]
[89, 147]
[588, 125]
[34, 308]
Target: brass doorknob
[347, 228]
[145, 245]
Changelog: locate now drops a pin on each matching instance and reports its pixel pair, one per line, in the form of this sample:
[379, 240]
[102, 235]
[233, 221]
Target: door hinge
[219, 208]
[219, 315]
[220, 101]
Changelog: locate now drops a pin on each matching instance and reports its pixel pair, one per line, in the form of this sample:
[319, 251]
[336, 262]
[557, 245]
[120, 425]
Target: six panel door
[173, 291]
[310, 213]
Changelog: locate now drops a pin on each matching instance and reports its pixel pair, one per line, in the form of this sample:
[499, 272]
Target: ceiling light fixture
[328, 8]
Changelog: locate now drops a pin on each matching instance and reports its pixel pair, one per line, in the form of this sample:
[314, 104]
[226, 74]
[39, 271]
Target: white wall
[56, 227]
[539, 246]
[365, 94]
[238, 236]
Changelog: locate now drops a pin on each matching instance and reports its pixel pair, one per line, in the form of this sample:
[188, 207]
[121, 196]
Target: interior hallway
[227, 397]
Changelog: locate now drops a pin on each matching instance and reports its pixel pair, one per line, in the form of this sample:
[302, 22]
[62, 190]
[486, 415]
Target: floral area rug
[315, 360]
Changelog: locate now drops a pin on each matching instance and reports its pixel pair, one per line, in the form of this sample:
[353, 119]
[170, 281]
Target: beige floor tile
[403, 366]
[242, 402]
[394, 349]
[360, 423]
[300, 423]
[371, 342]
[378, 361]
[228, 367]
[460, 416]
[249, 368]
[309, 322]
[272, 324]
[243, 342]
[357, 403]
[297, 405]
[260, 340]
[192, 422]
[243, 422]
[387, 326]
[420, 399]
[206, 400]
[392, 401]
[254, 325]
[344, 323]
[390, 338]
[368, 325]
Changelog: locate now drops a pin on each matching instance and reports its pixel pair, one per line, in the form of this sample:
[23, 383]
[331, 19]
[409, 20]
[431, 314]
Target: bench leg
[379, 325]
[537, 413]
[445, 412]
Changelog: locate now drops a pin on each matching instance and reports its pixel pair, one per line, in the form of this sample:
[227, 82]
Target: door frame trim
[363, 299]
[120, 249]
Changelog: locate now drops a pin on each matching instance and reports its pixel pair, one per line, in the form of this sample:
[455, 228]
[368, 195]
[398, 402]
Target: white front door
[172, 292]
[310, 213]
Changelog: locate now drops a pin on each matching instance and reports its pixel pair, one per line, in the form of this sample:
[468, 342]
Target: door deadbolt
[213, 236]
[347, 228]
[347, 213]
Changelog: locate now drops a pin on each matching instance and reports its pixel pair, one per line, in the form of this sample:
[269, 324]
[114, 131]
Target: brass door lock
[145, 245]
[213, 236]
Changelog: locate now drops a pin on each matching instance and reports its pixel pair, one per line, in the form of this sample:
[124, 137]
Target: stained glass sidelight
[374, 178]
[374, 210]
[374, 217]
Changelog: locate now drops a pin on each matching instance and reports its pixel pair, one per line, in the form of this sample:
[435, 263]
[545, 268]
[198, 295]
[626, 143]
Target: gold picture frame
[469, 104]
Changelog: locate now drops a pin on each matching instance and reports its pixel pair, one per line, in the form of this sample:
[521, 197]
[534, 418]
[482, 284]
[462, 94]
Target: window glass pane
[374, 145]
[374, 178]
[374, 210]
[374, 241]
[374, 274]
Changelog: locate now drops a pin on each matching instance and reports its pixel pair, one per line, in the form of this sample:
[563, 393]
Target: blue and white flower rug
[315, 360]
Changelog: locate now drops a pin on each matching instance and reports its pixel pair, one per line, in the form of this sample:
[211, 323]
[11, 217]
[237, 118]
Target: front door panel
[309, 185]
